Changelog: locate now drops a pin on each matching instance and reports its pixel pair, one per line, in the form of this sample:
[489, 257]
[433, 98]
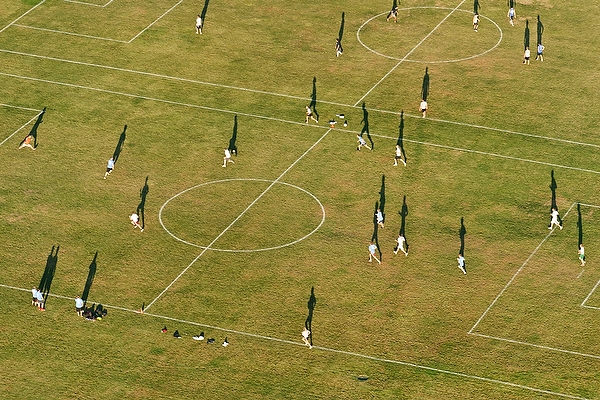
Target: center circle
[388, 39]
[223, 196]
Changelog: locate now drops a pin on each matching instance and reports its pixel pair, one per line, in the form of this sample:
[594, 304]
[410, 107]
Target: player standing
[401, 241]
[199, 25]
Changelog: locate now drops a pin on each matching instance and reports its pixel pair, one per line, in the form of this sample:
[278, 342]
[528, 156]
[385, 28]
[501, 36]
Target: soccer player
[34, 292]
[305, 336]
[511, 16]
[461, 263]
[199, 25]
[338, 48]
[134, 218]
[401, 241]
[379, 217]
[526, 56]
[393, 14]
[581, 253]
[372, 248]
[540, 52]
[362, 143]
[398, 156]
[423, 107]
[310, 115]
[40, 300]
[475, 22]
[554, 219]
[79, 305]
[109, 167]
[27, 142]
[227, 158]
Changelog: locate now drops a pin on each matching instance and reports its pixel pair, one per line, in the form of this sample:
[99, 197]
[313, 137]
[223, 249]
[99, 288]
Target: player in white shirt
[423, 107]
[511, 16]
[401, 241]
[475, 22]
[581, 253]
[526, 56]
[227, 158]
[305, 336]
[554, 219]
[372, 248]
[398, 156]
[199, 24]
[379, 217]
[134, 218]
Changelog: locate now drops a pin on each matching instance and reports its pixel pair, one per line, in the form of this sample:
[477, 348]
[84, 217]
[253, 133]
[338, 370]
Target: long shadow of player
[312, 303]
[425, 87]
[203, 13]
[119, 147]
[382, 196]
[476, 7]
[579, 225]
[526, 35]
[375, 236]
[553, 187]
[400, 141]
[232, 142]
[540, 29]
[462, 233]
[313, 98]
[365, 122]
[34, 130]
[140, 208]
[403, 214]
[49, 272]
[341, 32]
[89, 280]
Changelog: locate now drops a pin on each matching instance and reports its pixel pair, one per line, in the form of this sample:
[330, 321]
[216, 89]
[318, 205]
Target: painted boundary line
[549, 348]
[23, 126]
[218, 85]
[429, 62]
[515, 274]
[89, 4]
[238, 217]
[328, 349]
[409, 53]
[18, 107]
[289, 122]
[284, 172]
[22, 15]
[90, 36]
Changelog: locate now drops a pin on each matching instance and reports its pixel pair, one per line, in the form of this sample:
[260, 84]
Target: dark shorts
[109, 169]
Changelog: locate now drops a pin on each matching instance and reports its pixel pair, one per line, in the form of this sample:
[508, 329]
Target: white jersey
[423, 105]
[227, 153]
[134, 218]
[198, 21]
[401, 241]
[398, 151]
[554, 215]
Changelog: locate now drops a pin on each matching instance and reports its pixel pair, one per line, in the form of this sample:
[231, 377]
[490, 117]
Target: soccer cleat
[225, 342]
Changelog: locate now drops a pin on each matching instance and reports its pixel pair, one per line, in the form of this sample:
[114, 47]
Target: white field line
[98, 37]
[239, 216]
[186, 80]
[287, 121]
[23, 126]
[69, 33]
[327, 349]
[516, 273]
[589, 295]
[89, 4]
[576, 353]
[581, 273]
[22, 15]
[490, 154]
[266, 190]
[155, 21]
[18, 107]
[409, 53]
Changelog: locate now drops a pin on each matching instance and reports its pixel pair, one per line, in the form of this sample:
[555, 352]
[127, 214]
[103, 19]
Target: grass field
[237, 252]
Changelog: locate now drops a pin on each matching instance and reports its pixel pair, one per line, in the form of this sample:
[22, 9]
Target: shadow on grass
[425, 86]
[119, 147]
[540, 29]
[34, 130]
[89, 280]
[232, 147]
[403, 214]
[579, 225]
[462, 233]
[312, 303]
[526, 35]
[365, 122]
[400, 141]
[375, 236]
[313, 98]
[49, 272]
[140, 208]
[203, 13]
[341, 32]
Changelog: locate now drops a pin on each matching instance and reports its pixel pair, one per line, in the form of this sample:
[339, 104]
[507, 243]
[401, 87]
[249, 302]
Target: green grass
[178, 93]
